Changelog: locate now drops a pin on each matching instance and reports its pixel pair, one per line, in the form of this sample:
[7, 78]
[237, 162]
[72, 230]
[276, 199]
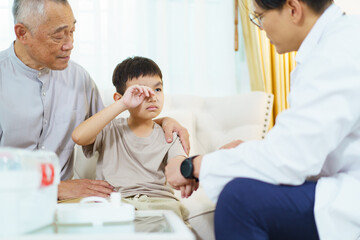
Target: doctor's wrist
[197, 165]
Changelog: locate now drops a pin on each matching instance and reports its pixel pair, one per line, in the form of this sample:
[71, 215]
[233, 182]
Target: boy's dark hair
[318, 6]
[133, 67]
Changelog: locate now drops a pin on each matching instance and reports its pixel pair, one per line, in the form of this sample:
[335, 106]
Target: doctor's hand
[232, 144]
[176, 179]
[135, 95]
[80, 188]
[188, 189]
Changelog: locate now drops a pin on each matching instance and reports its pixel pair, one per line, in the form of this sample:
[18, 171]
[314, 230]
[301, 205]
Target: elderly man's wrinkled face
[51, 43]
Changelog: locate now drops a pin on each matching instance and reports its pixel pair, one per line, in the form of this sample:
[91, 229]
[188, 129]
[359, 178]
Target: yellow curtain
[269, 71]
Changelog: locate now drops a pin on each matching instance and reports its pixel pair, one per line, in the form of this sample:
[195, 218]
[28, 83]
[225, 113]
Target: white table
[154, 224]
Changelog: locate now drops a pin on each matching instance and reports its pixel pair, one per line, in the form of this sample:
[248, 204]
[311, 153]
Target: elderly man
[44, 96]
[260, 186]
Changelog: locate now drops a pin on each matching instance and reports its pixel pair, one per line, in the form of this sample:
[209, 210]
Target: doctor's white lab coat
[318, 136]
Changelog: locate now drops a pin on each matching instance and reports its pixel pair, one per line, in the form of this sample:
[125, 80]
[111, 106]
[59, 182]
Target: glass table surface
[141, 224]
[152, 224]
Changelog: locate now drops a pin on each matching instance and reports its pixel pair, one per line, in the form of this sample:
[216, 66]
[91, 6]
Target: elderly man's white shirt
[318, 136]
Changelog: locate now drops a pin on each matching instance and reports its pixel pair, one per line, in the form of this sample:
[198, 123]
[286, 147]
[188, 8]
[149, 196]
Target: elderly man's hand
[169, 126]
[80, 188]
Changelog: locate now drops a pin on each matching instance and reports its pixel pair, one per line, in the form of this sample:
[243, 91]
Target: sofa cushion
[187, 119]
[212, 141]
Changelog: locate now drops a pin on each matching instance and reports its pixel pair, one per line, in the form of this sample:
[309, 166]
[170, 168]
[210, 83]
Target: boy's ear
[117, 96]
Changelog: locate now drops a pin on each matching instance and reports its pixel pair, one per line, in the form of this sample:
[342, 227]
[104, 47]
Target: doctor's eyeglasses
[256, 19]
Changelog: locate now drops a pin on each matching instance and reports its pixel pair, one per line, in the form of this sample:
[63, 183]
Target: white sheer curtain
[191, 40]
[6, 24]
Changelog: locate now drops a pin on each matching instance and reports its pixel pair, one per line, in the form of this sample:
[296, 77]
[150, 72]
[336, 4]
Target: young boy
[133, 152]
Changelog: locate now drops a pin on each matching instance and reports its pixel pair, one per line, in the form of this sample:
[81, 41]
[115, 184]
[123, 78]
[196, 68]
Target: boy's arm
[86, 132]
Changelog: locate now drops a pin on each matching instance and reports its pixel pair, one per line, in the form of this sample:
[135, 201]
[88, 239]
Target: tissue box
[28, 190]
[96, 210]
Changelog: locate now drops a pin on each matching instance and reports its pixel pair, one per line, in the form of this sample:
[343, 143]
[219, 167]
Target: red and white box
[28, 190]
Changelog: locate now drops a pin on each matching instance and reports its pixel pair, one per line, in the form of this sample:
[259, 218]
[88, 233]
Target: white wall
[349, 6]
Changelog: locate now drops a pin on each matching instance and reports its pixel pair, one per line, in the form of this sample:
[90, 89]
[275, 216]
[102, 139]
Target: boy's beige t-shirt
[134, 165]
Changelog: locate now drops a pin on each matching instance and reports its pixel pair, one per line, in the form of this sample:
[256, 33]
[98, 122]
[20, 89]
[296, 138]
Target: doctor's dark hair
[318, 6]
[131, 68]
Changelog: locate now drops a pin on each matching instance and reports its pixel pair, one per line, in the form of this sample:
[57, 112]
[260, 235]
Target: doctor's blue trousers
[253, 210]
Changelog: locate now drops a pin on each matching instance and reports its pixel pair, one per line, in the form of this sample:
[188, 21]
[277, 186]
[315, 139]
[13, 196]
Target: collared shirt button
[42, 147]
[44, 94]
[45, 121]
[39, 74]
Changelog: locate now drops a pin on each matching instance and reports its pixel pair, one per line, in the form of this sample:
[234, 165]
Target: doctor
[262, 188]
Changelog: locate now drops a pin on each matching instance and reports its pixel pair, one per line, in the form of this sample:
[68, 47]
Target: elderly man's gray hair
[25, 11]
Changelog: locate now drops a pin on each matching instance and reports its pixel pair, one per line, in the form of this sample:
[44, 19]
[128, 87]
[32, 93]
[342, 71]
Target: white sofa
[211, 122]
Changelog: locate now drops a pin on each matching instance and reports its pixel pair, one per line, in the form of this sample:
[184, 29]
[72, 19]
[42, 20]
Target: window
[191, 40]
